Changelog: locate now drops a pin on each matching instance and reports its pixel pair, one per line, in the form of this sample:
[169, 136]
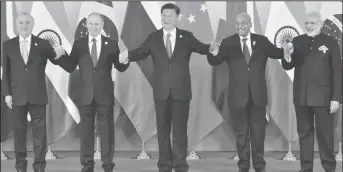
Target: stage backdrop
[209, 127]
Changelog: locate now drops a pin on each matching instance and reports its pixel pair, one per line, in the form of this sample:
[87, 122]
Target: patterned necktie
[24, 51]
[169, 46]
[94, 52]
[246, 50]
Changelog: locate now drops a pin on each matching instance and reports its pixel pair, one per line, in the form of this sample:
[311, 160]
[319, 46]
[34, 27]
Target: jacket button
[248, 68]
[26, 69]
[169, 65]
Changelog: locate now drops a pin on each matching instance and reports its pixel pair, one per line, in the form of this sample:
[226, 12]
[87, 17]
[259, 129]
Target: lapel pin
[180, 36]
[253, 43]
[106, 43]
[36, 44]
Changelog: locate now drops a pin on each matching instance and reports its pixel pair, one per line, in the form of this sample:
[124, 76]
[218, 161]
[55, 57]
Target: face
[243, 25]
[313, 24]
[94, 25]
[168, 19]
[24, 25]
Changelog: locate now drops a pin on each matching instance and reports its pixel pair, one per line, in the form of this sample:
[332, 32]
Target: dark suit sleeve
[6, 76]
[198, 46]
[271, 50]
[141, 52]
[336, 64]
[69, 62]
[220, 57]
[115, 59]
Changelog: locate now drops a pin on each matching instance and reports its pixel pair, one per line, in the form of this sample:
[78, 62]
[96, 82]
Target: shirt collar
[172, 33]
[98, 38]
[248, 37]
[28, 39]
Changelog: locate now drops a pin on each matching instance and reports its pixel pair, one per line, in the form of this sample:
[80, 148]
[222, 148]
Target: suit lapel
[253, 50]
[16, 50]
[161, 43]
[103, 52]
[238, 45]
[33, 49]
[177, 42]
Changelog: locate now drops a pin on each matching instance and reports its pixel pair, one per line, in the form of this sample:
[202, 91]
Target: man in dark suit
[24, 88]
[170, 48]
[317, 90]
[95, 55]
[246, 54]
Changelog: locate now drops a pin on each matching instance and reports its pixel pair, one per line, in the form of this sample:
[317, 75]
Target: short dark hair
[171, 6]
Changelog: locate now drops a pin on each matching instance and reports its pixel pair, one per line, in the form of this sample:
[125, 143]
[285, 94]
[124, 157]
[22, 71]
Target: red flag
[137, 101]
[203, 116]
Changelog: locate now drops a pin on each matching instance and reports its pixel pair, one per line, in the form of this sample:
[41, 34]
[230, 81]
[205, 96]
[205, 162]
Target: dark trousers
[106, 124]
[172, 114]
[325, 136]
[38, 121]
[249, 125]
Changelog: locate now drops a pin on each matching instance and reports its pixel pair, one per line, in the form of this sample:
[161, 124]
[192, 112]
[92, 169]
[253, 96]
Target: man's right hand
[8, 100]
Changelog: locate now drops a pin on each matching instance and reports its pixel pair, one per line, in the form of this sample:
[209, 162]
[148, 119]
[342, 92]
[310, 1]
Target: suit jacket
[171, 75]
[95, 82]
[26, 82]
[318, 74]
[244, 77]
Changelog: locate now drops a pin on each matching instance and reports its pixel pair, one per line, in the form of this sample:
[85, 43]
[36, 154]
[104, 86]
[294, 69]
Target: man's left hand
[334, 105]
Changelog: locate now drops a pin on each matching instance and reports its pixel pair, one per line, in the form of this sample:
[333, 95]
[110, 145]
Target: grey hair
[96, 14]
[25, 14]
[246, 15]
[315, 14]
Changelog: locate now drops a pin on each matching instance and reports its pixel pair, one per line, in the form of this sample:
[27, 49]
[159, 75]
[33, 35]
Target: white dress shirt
[172, 38]
[28, 44]
[248, 42]
[98, 44]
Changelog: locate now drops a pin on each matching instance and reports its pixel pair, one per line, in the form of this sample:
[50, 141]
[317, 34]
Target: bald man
[317, 91]
[95, 55]
[246, 54]
[24, 88]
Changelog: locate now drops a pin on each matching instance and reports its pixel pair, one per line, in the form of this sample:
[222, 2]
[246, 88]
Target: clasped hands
[59, 50]
[288, 50]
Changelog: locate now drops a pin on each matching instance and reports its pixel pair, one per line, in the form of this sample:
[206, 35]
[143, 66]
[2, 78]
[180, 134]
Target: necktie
[94, 52]
[24, 51]
[246, 50]
[169, 46]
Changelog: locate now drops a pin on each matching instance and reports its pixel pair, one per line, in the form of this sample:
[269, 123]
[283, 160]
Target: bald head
[95, 24]
[313, 23]
[24, 23]
[243, 24]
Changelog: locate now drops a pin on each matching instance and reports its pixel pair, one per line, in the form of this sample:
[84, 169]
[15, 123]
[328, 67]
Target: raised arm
[199, 47]
[272, 51]
[142, 52]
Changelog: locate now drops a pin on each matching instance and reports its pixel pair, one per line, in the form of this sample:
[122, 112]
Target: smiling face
[313, 24]
[94, 25]
[243, 24]
[25, 25]
[168, 19]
